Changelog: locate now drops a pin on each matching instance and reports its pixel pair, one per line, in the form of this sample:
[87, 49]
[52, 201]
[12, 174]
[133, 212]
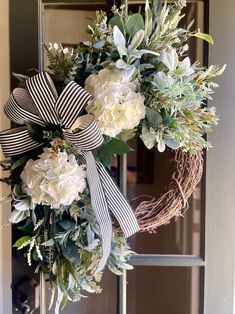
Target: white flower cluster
[54, 179]
[116, 105]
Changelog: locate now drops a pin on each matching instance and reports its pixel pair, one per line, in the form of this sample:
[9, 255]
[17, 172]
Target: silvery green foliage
[153, 49]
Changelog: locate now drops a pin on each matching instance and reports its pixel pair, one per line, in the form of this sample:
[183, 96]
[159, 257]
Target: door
[169, 271]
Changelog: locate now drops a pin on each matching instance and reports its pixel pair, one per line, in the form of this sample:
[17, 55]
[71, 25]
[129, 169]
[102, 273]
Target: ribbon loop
[89, 137]
[43, 94]
[76, 99]
[20, 108]
[17, 141]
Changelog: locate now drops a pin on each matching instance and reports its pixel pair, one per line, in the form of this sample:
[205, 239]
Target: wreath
[132, 79]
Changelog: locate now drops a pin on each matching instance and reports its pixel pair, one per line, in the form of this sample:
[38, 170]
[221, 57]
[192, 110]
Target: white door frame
[220, 187]
[5, 232]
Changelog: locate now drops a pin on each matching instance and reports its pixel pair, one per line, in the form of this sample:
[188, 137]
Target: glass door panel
[104, 303]
[163, 290]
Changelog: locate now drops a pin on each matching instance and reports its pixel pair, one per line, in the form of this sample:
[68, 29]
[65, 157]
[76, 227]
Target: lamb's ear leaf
[117, 20]
[118, 37]
[154, 118]
[134, 23]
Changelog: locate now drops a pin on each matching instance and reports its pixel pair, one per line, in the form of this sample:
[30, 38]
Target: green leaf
[137, 39]
[118, 37]
[117, 20]
[21, 78]
[18, 216]
[148, 137]
[116, 146]
[63, 302]
[167, 120]
[67, 225]
[113, 147]
[35, 131]
[205, 37]
[171, 143]
[154, 118]
[70, 251]
[27, 227]
[190, 25]
[105, 158]
[19, 162]
[99, 44]
[50, 242]
[148, 20]
[134, 23]
[21, 241]
[126, 135]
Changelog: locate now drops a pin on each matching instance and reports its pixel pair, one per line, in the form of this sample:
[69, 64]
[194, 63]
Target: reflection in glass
[149, 174]
[163, 290]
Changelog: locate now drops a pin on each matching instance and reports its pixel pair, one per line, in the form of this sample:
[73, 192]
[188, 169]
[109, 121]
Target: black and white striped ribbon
[39, 103]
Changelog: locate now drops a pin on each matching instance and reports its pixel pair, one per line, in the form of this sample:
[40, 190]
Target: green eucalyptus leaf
[21, 241]
[50, 242]
[70, 252]
[67, 225]
[171, 143]
[154, 118]
[134, 23]
[205, 37]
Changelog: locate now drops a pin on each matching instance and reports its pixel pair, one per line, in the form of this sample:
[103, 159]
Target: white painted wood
[5, 233]
[220, 195]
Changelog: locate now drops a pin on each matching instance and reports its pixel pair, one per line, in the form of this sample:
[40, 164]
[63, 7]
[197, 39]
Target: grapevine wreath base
[186, 173]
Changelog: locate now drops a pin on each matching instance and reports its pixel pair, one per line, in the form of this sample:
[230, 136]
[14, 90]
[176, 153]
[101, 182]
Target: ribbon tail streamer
[118, 204]
[106, 196]
[100, 207]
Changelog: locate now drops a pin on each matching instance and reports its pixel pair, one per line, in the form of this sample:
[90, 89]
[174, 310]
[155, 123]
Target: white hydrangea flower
[54, 179]
[116, 104]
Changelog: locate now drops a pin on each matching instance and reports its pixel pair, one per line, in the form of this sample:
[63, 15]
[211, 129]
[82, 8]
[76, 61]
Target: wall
[220, 248]
[5, 234]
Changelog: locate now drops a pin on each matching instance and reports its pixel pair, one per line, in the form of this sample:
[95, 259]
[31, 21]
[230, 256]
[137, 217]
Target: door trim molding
[5, 208]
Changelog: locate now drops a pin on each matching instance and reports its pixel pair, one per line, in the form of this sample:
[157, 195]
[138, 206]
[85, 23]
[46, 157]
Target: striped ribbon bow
[40, 104]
